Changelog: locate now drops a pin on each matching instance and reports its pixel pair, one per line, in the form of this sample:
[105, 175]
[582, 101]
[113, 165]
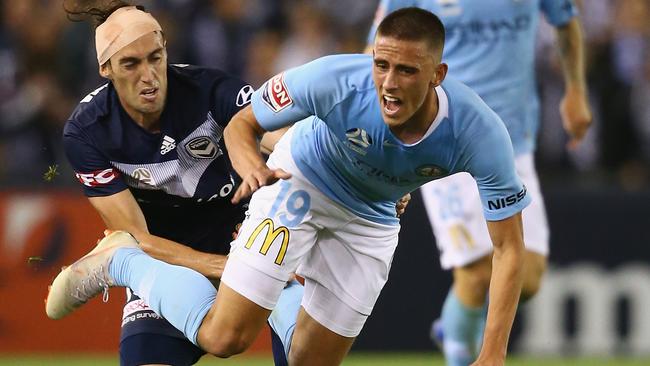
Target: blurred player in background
[490, 47]
[370, 131]
[147, 148]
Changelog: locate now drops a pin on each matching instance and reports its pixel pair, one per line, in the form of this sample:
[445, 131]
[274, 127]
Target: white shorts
[292, 227]
[456, 215]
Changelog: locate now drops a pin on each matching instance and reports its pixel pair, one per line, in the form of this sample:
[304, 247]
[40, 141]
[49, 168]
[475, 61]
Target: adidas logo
[168, 145]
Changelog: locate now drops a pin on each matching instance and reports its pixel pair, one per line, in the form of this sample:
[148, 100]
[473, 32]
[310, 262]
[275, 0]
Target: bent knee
[534, 268]
[225, 345]
[476, 275]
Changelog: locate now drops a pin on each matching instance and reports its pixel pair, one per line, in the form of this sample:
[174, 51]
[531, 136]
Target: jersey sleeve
[559, 12]
[92, 169]
[384, 8]
[490, 160]
[231, 96]
[312, 89]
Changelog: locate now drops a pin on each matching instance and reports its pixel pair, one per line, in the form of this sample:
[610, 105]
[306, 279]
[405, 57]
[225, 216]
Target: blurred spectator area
[47, 64]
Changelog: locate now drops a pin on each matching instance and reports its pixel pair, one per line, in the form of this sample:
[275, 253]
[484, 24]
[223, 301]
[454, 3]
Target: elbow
[513, 249]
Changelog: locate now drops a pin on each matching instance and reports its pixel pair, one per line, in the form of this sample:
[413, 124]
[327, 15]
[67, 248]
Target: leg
[454, 209]
[187, 300]
[472, 281]
[283, 321]
[148, 339]
[232, 324]
[326, 328]
[313, 344]
[463, 313]
[534, 269]
[156, 350]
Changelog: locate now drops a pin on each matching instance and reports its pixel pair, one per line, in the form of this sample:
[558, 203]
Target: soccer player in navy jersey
[490, 47]
[367, 131]
[147, 148]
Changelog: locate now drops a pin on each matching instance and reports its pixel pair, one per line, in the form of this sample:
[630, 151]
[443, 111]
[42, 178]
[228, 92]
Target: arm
[269, 139]
[574, 107]
[241, 137]
[120, 211]
[505, 287]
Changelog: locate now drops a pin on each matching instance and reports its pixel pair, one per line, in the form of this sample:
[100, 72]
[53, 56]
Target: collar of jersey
[443, 112]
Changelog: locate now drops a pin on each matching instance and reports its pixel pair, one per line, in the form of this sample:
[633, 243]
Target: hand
[235, 233]
[576, 115]
[402, 203]
[488, 363]
[263, 176]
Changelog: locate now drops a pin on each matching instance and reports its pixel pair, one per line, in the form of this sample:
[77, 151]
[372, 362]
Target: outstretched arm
[505, 287]
[574, 108]
[120, 211]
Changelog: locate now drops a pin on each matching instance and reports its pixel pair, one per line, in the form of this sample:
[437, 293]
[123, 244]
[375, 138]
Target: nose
[390, 81]
[147, 73]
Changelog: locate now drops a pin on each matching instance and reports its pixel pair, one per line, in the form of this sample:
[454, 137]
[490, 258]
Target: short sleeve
[312, 89]
[490, 160]
[92, 169]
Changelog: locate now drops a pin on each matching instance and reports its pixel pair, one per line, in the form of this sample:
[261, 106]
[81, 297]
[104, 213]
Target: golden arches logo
[459, 235]
[271, 234]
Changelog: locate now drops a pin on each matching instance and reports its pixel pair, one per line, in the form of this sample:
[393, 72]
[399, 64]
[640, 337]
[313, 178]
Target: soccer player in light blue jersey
[490, 48]
[367, 131]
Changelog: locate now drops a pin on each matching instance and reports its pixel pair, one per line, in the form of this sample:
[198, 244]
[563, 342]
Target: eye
[381, 65]
[408, 70]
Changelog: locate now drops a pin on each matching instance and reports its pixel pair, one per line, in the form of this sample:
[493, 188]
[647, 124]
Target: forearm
[209, 265]
[242, 142]
[571, 49]
[505, 288]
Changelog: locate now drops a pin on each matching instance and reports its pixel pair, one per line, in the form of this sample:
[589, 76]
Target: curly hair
[94, 11]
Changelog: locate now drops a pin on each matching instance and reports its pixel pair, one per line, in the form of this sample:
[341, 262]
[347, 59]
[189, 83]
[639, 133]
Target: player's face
[405, 73]
[139, 74]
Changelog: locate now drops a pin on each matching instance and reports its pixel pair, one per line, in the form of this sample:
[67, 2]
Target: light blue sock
[178, 294]
[461, 326]
[284, 315]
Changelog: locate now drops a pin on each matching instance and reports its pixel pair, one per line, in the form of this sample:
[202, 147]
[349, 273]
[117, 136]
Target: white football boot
[87, 277]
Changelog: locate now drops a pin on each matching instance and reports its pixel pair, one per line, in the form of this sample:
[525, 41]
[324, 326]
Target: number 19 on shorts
[297, 205]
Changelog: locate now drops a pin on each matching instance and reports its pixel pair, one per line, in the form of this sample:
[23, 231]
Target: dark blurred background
[598, 195]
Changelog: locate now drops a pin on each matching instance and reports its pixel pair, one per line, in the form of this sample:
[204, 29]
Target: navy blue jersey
[180, 176]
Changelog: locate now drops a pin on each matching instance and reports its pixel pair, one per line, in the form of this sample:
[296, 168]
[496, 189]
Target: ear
[439, 74]
[105, 70]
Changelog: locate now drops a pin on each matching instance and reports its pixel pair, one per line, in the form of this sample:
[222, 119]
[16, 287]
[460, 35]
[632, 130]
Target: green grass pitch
[354, 359]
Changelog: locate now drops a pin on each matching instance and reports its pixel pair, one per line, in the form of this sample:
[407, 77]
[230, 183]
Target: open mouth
[392, 105]
[149, 94]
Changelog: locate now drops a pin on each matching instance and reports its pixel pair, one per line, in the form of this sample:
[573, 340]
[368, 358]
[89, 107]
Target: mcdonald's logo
[271, 234]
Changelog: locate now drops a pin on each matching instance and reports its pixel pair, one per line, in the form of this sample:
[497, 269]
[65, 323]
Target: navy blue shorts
[147, 338]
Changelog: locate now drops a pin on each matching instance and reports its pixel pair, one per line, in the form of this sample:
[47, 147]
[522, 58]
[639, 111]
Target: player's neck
[415, 128]
[148, 121]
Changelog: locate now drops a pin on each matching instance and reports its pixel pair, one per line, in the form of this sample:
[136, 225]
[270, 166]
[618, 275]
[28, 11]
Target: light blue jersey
[344, 148]
[490, 47]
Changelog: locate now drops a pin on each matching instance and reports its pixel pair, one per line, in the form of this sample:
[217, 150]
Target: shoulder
[212, 84]
[343, 71]
[202, 78]
[91, 110]
[471, 117]
[465, 104]
[333, 78]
